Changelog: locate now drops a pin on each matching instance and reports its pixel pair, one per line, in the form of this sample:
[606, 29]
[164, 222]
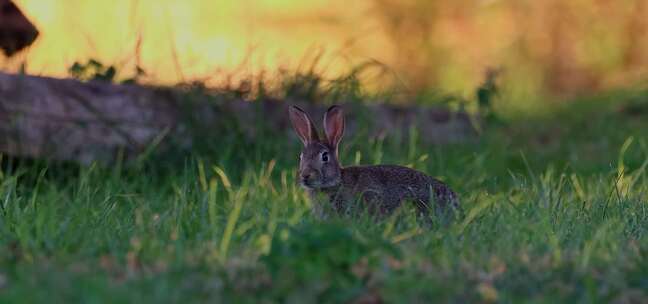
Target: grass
[556, 211]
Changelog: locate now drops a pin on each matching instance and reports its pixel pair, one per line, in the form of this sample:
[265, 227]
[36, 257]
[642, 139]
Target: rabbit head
[318, 162]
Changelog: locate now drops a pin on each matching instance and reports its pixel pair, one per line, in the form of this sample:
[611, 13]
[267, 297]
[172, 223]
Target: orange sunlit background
[551, 46]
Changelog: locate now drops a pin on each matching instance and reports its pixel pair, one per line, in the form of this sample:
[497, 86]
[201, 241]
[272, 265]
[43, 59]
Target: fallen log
[65, 119]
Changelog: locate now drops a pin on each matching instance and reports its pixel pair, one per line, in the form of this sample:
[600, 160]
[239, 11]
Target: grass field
[556, 210]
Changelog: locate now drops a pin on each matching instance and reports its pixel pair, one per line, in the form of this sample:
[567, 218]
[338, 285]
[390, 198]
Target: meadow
[555, 201]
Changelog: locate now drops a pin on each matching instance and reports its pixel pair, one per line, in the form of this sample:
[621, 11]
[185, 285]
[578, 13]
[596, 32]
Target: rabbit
[379, 189]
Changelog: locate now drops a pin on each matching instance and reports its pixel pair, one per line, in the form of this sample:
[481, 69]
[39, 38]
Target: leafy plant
[326, 258]
[486, 93]
[94, 70]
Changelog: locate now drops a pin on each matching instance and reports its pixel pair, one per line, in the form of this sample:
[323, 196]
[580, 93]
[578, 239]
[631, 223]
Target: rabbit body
[380, 189]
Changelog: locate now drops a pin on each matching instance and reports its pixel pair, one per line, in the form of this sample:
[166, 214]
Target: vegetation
[556, 211]
[554, 193]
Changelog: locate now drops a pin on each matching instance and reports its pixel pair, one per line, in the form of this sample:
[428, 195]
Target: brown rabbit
[381, 189]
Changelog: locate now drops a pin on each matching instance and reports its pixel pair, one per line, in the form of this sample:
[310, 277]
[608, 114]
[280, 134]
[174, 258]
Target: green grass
[556, 211]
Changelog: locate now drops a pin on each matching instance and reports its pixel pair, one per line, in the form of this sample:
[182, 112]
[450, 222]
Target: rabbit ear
[302, 125]
[334, 126]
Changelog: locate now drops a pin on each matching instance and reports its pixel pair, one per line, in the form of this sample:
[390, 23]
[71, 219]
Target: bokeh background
[543, 48]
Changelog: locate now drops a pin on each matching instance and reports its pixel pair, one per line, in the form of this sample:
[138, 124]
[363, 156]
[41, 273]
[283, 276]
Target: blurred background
[534, 111]
[540, 49]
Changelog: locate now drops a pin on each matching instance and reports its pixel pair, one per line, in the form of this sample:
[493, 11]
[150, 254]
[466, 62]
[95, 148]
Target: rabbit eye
[325, 157]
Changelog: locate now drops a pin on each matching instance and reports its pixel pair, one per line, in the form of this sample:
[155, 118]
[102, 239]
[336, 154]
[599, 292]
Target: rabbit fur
[379, 189]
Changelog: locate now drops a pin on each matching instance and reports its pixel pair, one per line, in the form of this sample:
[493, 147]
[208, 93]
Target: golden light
[550, 45]
[183, 40]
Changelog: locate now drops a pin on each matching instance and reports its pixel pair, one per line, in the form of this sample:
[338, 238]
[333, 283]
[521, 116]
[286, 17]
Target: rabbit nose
[306, 176]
